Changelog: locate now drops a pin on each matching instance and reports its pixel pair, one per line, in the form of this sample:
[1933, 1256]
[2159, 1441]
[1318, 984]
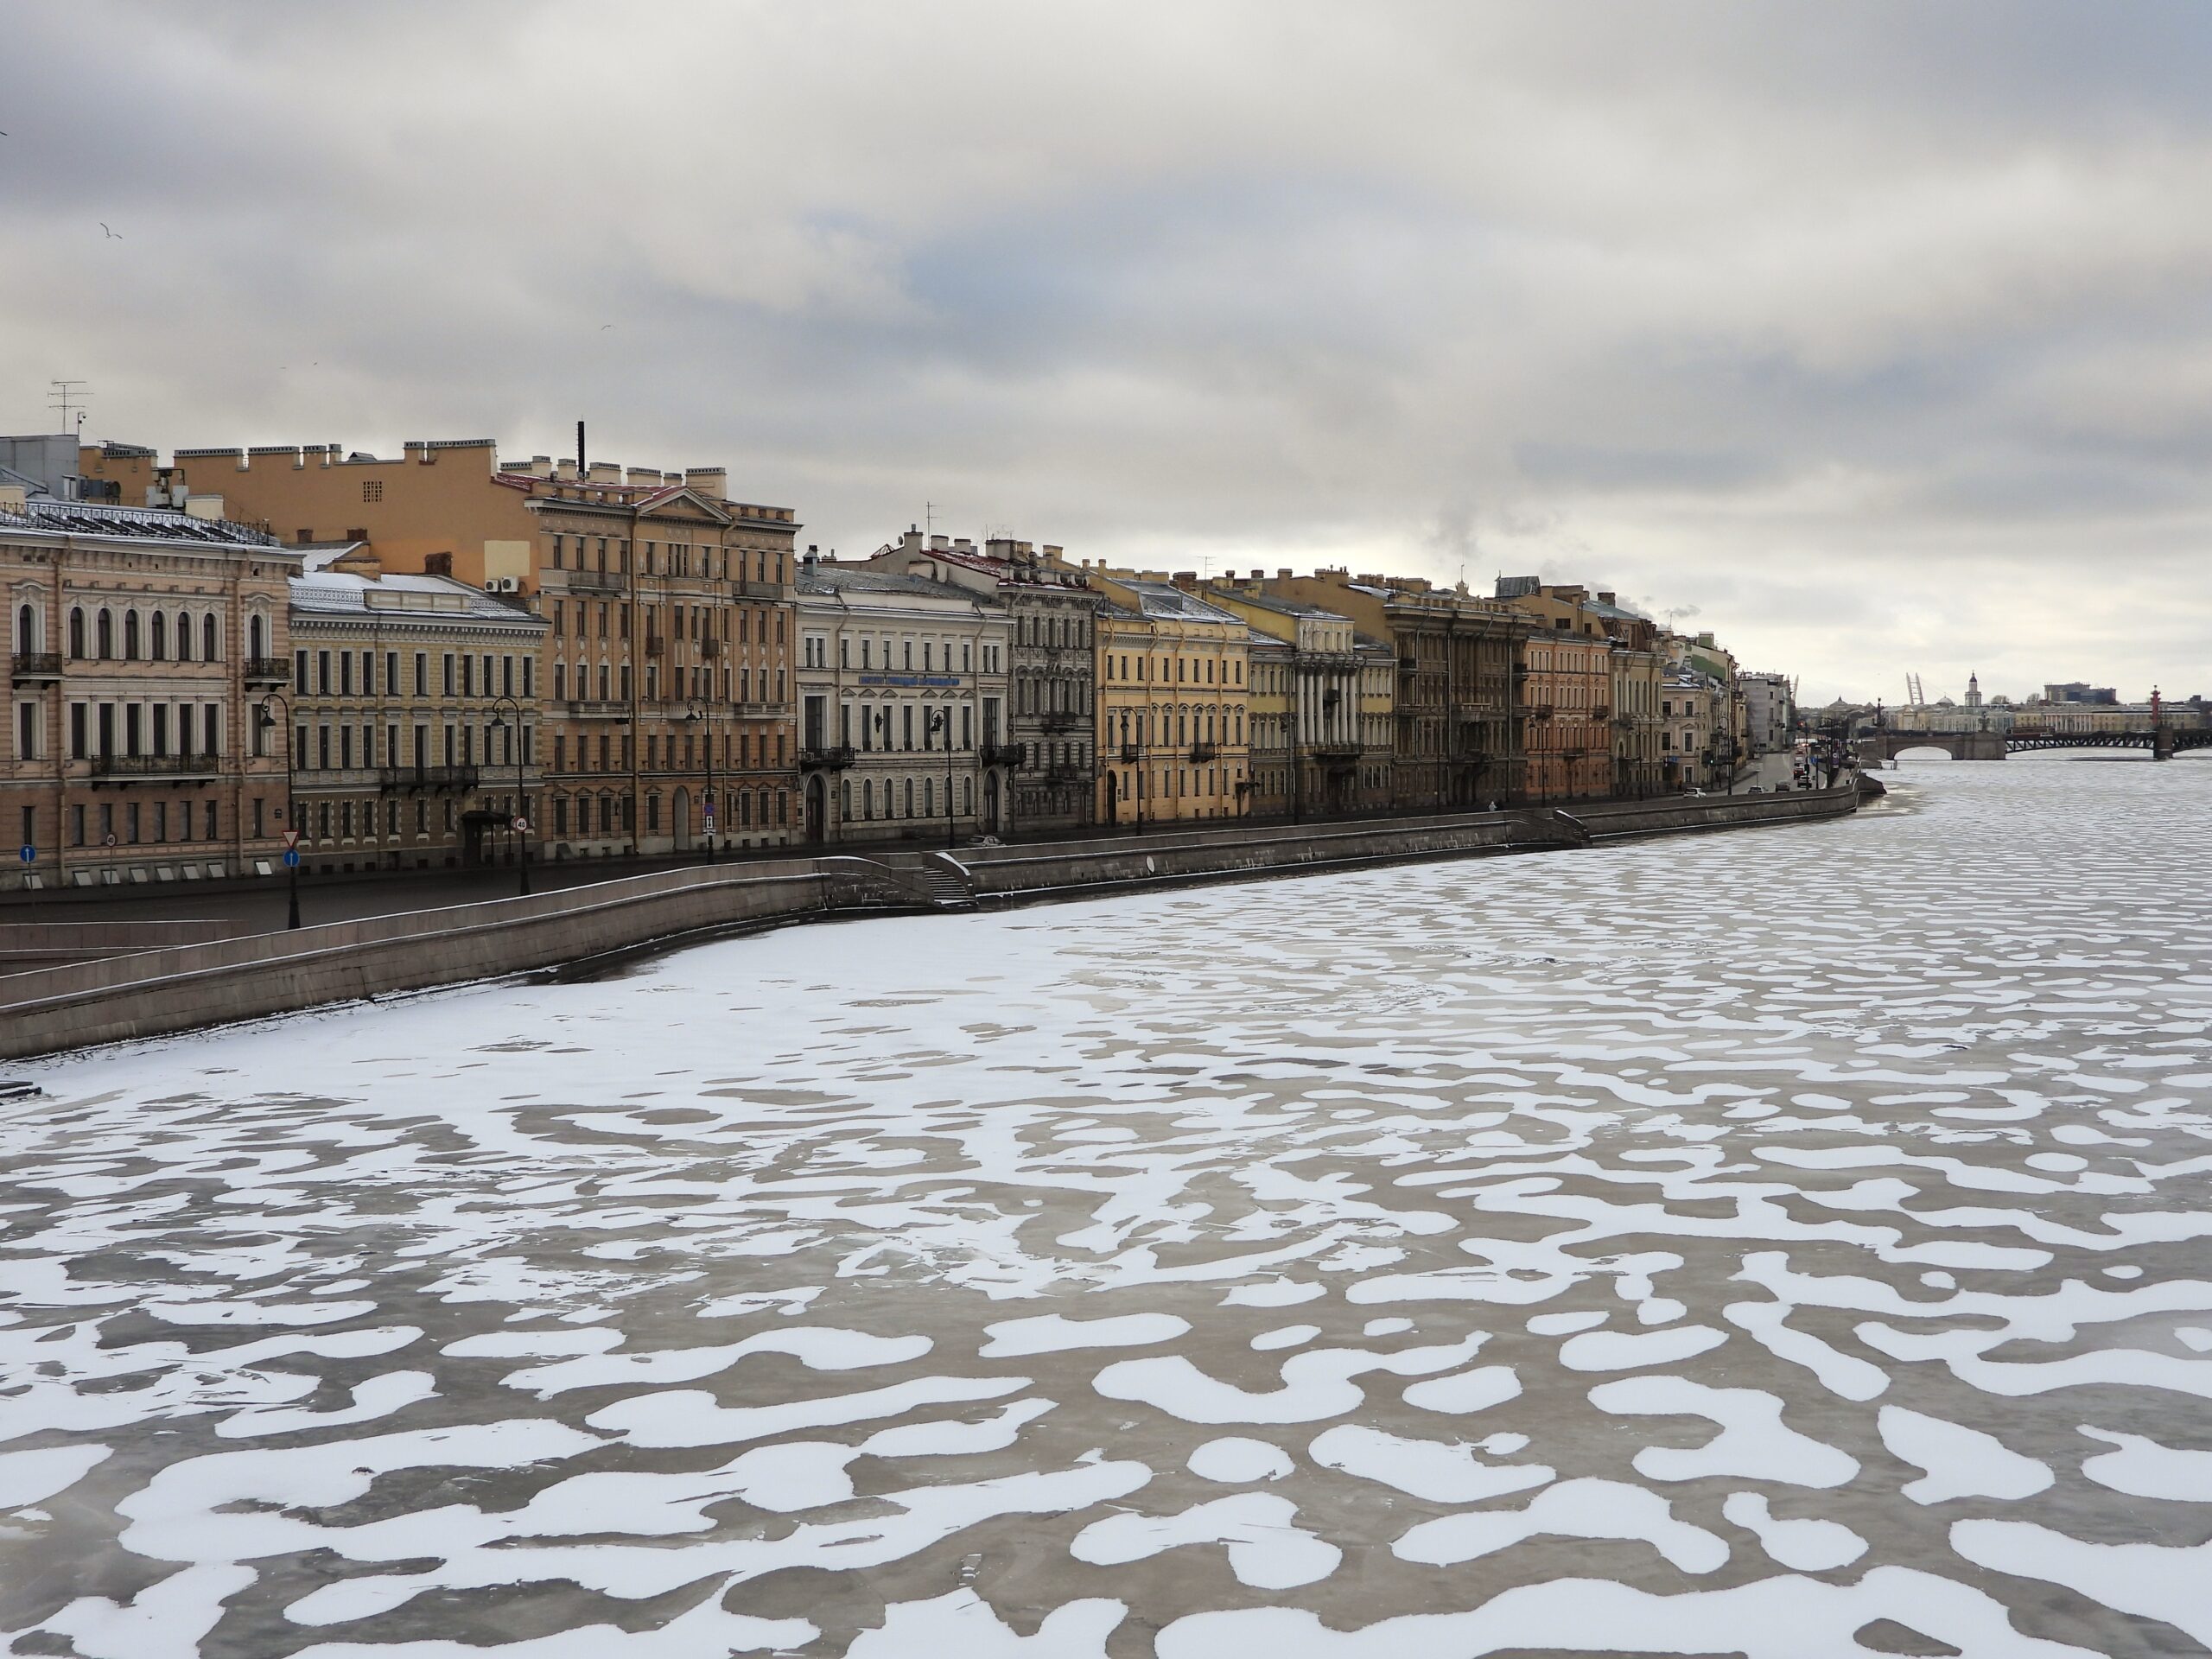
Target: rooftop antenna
[929, 517]
[67, 393]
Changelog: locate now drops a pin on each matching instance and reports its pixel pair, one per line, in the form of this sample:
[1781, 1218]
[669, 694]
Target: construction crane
[1912, 694]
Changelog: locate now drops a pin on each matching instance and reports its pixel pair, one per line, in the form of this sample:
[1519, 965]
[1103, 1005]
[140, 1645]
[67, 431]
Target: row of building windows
[98, 730]
[901, 798]
[465, 674]
[1184, 726]
[154, 636]
[1150, 668]
[612, 815]
[611, 555]
[751, 749]
[335, 747]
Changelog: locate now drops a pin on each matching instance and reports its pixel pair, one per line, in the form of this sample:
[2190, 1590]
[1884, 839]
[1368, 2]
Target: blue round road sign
[30, 855]
[291, 858]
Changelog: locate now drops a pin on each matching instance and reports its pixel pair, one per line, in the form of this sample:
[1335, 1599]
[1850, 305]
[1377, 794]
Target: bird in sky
[604, 326]
[113, 235]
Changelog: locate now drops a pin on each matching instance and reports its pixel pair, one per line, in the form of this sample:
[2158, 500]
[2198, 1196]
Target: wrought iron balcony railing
[391, 780]
[157, 766]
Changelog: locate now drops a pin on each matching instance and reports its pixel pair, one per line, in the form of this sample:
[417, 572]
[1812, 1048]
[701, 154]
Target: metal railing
[426, 778]
[157, 766]
[830, 760]
[265, 670]
[1131, 753]
[36, 665]
[1201, 752]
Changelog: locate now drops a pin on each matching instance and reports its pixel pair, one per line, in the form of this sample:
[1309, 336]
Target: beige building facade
[1172, 702]
[140, 641]
[902, 686]
[414, 723]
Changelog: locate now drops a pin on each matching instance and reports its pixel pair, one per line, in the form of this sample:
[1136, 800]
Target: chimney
[564, 470]
[639, 477]
[203, 507]
[605, 472]
[1281, 576]
[911, 541]
[712, 482]
[940, 544]
[437, 564]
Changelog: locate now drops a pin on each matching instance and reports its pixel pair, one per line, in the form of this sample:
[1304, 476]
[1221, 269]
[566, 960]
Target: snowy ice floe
[1245, 1265]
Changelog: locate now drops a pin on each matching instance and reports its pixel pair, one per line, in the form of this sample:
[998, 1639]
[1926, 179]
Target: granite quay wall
[40, 944]
[1012, 873]
[181, 986]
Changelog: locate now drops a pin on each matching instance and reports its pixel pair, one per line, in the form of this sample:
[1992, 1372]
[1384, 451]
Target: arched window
[184, 636]
[210, 641]
[130, 636]
[560, 682]
[26, 630]
[158, 647]
[256, 636]
[106, 631]
[77, 631]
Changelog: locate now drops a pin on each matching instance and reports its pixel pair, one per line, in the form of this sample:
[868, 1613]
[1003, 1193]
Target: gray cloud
[1880, 335]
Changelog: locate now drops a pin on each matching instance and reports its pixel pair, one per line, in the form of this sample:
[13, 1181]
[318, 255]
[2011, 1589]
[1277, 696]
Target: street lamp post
[941, 720]
[265, 719]
[702, 713]
[522, 800]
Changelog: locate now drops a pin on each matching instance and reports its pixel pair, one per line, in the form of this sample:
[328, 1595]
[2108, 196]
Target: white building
[1769, 714]
[902, 690]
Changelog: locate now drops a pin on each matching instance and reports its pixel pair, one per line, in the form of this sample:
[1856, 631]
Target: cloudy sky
[1876, 339]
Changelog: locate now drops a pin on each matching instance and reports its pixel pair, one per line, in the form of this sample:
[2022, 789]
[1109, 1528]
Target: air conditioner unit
[501, 585]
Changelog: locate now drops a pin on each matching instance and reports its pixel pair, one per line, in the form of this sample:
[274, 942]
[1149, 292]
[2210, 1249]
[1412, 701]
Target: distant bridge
[1995, 746]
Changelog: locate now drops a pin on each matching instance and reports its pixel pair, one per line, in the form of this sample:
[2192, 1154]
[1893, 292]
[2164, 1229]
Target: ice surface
[1725, 1244]
[1234, 1460]
[1961, 1462]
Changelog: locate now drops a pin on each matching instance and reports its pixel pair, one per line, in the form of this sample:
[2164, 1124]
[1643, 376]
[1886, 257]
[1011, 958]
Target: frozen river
[1793, 1242]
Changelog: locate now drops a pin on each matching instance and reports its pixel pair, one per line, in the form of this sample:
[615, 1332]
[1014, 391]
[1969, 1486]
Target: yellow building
[1172, 702]
[1271, 666]
[1332, 774]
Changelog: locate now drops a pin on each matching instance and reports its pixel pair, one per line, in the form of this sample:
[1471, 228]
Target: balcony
[169, 767]
[832, 759]
[592, 581]
[656, 645]
[592, 709]
[1000, 754]
[1131, 753]
[265, 670]
[1409, 665]
[1201, 752]
[1335, 754]
[36, 667]
[1062, 720]
[417, 779]
[709, 647]
[1064, 773]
